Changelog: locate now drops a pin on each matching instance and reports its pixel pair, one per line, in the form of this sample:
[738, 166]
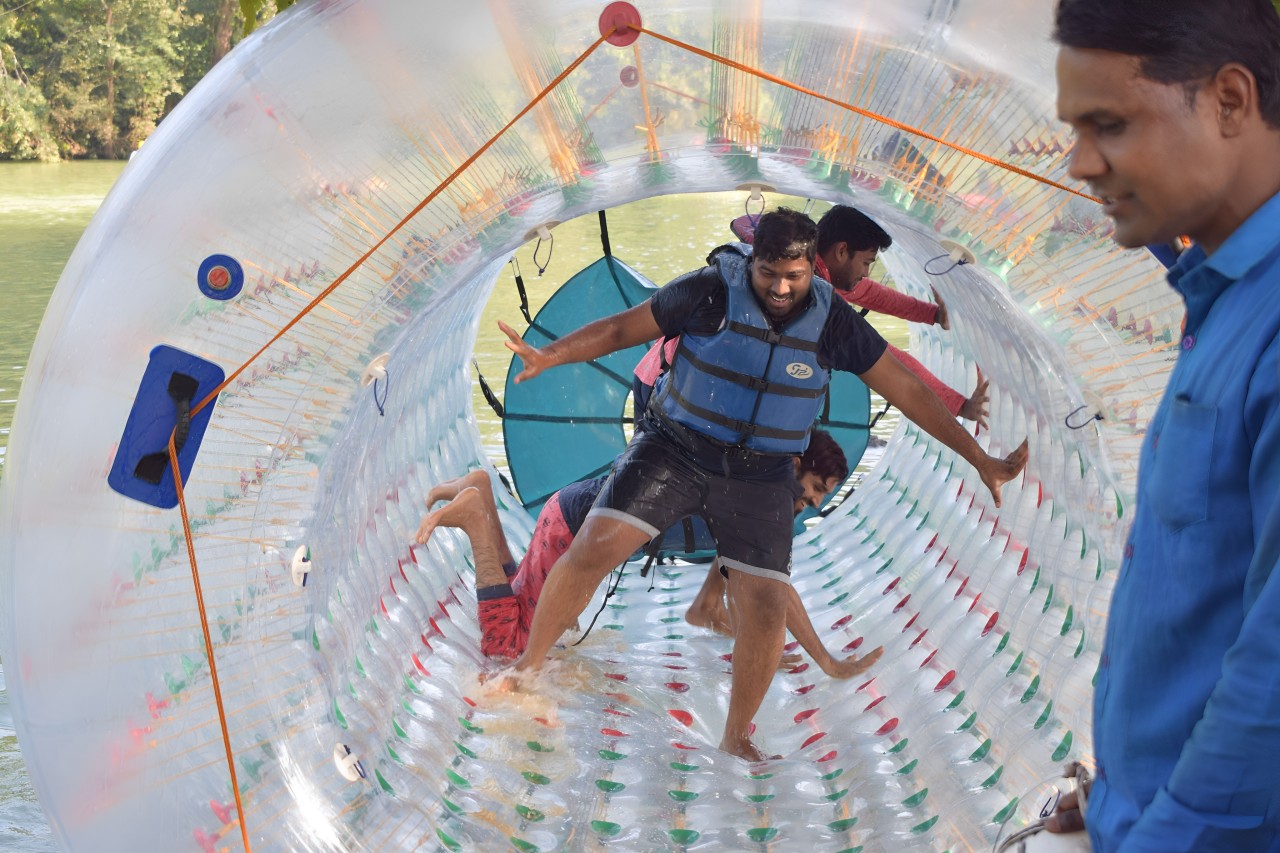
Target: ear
[1234, 90]
[796, 461]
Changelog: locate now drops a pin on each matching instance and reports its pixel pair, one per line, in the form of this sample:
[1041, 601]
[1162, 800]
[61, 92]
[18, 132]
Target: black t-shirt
[695, 304]
[576, 500]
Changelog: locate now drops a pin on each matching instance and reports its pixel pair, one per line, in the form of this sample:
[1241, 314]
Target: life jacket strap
[769, 336]
[743, 428]
[755, 383]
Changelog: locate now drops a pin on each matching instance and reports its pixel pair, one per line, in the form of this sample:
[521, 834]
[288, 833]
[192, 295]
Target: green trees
[24, 113]
[92, 78]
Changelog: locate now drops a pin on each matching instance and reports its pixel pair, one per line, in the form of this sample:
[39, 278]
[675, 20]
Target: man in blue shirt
[1176, 108]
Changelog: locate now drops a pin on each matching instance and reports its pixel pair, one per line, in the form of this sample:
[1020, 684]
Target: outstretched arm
[874, 296]
[801, 627]
[608, 334]
[974, 407]
[943, 319]
[952, 399]
[909, 395]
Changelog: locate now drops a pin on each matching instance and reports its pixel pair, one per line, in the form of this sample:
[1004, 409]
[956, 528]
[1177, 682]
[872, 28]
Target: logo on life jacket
[797, 370]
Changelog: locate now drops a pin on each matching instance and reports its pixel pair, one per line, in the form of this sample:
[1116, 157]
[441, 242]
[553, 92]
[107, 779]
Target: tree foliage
[92, 78]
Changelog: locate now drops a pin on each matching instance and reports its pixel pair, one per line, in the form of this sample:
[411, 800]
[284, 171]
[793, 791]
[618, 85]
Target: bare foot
[449, 489]
[713, 617]
[745, 749]
[788, 661]
[503, 681]
[465, 508]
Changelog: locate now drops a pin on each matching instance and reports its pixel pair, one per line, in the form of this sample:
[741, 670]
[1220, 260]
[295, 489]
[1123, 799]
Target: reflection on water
[22, 823]
[45, 207]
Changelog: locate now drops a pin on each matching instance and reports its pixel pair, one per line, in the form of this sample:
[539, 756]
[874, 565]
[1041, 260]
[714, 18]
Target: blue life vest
[747, 384]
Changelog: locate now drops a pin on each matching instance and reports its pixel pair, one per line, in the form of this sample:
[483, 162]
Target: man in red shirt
[848, 244]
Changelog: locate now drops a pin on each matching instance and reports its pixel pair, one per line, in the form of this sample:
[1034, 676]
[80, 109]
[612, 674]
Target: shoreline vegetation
[91, 79]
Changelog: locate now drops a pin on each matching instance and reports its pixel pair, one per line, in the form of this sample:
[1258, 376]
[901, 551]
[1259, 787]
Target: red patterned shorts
[506, 611]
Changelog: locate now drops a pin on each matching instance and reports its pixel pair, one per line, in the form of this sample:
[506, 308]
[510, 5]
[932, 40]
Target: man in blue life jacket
[759, 335]
[1176, 109]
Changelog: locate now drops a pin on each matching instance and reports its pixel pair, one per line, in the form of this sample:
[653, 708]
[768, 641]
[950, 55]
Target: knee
[762, 601]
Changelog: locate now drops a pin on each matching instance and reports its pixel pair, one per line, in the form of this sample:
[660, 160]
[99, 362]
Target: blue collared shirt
[1187, 707]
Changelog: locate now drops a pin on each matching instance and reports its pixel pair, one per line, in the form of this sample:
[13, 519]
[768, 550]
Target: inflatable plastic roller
[348, 183]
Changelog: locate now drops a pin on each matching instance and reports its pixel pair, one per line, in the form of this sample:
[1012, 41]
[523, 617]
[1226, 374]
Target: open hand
[975, 408]
[996, 472]
[1067, 817]
[535, 360]
[942, 319]
[788, 661]
[852, 665]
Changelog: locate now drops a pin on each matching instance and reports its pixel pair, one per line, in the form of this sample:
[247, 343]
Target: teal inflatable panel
[568, 424]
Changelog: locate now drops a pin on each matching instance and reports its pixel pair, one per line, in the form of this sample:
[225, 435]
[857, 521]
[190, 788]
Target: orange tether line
[430, 197]
[906, 128]
[208, 642]
[212, 395]
[651, 138]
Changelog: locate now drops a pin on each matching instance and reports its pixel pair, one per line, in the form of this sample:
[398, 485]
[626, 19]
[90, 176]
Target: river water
[45, 207]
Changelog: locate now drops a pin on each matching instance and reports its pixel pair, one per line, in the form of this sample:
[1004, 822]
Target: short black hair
[1182, 41]
[785, 235]
[844, 224]
[824, 458]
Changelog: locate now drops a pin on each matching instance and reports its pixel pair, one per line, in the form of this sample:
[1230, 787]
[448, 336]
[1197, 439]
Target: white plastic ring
[347, 762]
[301, 566]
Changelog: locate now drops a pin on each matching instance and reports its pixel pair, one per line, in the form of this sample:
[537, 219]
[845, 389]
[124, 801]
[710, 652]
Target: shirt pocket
[1179, 489]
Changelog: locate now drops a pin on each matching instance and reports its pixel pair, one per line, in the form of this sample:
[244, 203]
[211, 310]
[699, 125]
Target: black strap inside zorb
[182, 390]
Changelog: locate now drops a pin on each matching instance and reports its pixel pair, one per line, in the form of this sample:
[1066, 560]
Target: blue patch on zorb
[172, 384]
[220, 277]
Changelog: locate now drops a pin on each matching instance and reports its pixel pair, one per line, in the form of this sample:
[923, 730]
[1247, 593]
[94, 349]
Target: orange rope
[416, 210]
[906, 128]
[693, 98]
[651, 138]
[208, 642]
[212, 395]
[324, 294]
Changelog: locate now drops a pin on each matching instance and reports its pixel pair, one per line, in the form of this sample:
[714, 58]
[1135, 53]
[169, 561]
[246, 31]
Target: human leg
[751, 522]
[708, 609]
[551, 538]
[448, 489]
[477, 480]
[650, 488]
[472, 513]
[600, 545]
[759, 604]
[498, 609]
